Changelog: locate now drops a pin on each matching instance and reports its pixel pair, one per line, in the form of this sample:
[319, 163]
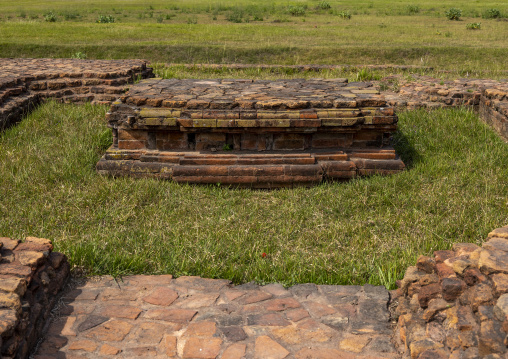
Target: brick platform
[25, 82]
[451, 305]
[252, 133]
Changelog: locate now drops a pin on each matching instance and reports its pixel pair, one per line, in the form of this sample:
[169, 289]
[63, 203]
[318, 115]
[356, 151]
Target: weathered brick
[205, 348]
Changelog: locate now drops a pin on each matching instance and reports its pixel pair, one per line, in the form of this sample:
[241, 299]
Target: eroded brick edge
[31, 276]
[455, 303]
[24, 83]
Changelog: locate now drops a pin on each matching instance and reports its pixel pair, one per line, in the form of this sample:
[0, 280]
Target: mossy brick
[158, 112]
[274, 123]
[204, 123]
[174, 103]
[341, 121]
[247, 123]
[277, 114]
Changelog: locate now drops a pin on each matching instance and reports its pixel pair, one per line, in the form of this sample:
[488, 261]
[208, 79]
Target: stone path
[193, 317]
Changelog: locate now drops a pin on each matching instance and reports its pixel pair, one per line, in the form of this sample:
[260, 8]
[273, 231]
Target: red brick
[201, 329]
[273, 319]
[282, 304]
[84, 344]
[296, 315]
[444, 271]
[199, 300]
[150, 332]
[171, 315]
[161, 296]
[131, 145]
[254, 297]
[112, 331]
[267, 348]
[126, 135]
[427, 293]
[120, 311]
[309, 114]
[234, 351]
[202, 348]
[8, 243]
[107, 349]
[323, 353]
[169, 343]
[441, 256]
[319, 310]
[52, 345]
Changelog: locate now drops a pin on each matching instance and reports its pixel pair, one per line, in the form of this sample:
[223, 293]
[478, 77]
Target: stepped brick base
[251, 133]
[268, 170]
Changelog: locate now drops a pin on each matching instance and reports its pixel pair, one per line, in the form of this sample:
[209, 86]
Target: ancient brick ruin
[455, 304]
[254, 133]
[26, 82]
[31, 276]
[266, 134]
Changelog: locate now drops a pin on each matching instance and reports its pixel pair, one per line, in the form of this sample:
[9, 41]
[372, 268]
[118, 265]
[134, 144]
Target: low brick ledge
[26, 82]
[31, 276]
[455, 304]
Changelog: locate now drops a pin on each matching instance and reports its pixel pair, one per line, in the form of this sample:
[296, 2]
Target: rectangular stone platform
[251, 132]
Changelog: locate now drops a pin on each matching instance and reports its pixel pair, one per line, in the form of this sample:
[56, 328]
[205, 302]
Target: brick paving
[193, 317]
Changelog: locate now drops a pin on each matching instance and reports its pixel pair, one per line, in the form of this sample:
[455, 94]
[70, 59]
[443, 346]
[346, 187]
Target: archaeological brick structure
[488, 97]
[25, 82]
[252, 133]
[31, 275]
[455, 304]
[494, 108]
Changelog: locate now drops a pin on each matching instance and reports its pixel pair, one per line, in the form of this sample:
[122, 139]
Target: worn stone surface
[465, 307]
[29, 284]
[248, 321]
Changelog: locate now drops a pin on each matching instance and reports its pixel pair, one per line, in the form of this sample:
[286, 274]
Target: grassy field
[366, 230]
[290, 32]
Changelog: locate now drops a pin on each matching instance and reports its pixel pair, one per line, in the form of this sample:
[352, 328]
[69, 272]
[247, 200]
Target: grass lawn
[366, 230]
[248, 31]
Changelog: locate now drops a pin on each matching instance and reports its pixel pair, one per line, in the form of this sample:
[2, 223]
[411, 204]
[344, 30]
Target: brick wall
[31, 275]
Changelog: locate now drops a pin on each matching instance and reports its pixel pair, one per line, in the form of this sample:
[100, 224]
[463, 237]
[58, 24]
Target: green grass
[197, 31]
[366, 230]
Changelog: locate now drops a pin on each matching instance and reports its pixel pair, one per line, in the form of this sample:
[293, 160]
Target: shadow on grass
[405, 149]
